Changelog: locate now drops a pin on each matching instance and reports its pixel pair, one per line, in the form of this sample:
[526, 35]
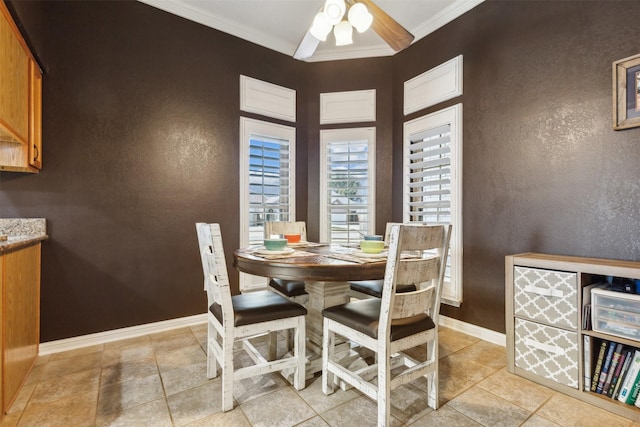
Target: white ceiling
[280, 25]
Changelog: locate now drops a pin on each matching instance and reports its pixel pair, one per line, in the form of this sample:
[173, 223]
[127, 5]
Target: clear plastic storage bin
[615, 313]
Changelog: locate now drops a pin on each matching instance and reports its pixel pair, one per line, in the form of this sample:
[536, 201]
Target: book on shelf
[614, 364]
[586, 351]
[611, 346]
[630, 377]
[623, 371]
[617, 375]
[633, 394]
[586, 317]
[598, 367]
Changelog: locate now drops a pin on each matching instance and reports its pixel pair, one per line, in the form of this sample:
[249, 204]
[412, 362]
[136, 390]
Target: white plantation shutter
[267, 183]
[432, 183]
[347, 190]
[270, 193]
[430, 176]
[347, 185]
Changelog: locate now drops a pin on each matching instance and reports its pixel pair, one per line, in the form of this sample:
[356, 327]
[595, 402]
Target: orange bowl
[292, 238]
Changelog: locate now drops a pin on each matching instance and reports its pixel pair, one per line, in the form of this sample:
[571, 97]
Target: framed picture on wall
[626, 93]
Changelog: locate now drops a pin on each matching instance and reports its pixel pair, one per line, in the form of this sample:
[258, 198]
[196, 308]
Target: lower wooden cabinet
[20, 309]
[2, 406]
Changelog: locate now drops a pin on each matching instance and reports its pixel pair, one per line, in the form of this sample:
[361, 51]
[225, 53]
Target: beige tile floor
[159, 380]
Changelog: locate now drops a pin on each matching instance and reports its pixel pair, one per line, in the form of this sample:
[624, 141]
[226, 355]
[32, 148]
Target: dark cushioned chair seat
[290, 288]
[257, 307]
[374, 287]
[363, 316]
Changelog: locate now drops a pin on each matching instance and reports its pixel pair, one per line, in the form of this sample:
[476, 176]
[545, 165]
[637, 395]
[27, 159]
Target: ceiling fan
[360, 15]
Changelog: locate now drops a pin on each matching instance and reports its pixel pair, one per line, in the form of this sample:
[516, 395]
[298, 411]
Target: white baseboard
[150, 328]
[119, 334]
[474, 330]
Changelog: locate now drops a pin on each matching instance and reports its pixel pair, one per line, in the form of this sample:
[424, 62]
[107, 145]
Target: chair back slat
[410, 304]
[422, 237]
[417, 271]
[428, 246]
[423, 273]
[284, 227]
[216, 279]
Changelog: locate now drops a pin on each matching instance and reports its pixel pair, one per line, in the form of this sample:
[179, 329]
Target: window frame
[328, 136]
[249, 127]
[452, 116]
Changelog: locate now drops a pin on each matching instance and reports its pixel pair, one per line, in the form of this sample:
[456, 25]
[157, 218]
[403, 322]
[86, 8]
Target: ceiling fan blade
[387, 28]
[307, 47]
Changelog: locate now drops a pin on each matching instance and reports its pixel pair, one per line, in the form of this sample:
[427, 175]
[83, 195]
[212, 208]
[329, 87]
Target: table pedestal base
[321, 296]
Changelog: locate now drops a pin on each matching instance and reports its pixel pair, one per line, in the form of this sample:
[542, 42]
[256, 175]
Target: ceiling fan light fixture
[344, 33]
[321, 27]
[334, 10]
[359, 17]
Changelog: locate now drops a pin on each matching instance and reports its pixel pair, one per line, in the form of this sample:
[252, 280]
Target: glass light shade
[334, 11]
[343, 32]
[359, 17]
[320, 27]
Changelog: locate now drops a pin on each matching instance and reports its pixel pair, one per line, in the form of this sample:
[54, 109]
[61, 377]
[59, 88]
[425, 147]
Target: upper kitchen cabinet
[20, 100]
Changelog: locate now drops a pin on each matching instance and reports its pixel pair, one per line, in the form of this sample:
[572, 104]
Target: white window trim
[250, 127]
[267, 99]
[348, 107]
[434, 86]
[335, 135]
[452, 294]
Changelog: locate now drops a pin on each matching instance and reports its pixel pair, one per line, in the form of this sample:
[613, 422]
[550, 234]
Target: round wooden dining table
[317, 267]
[326, 280]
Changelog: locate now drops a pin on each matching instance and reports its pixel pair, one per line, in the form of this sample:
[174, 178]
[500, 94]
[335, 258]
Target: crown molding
[245, 32]
[350, 52]
[223, 24]
[448, 14]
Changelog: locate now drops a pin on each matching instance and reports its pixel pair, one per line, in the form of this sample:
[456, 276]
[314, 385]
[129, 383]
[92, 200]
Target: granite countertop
[21, 232]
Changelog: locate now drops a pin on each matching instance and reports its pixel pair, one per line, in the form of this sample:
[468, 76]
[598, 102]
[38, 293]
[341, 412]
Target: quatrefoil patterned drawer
[547, 352]
[546, 296]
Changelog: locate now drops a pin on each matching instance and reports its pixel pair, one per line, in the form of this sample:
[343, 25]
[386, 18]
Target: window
[267, 181]
[433, 183]
[347, 184]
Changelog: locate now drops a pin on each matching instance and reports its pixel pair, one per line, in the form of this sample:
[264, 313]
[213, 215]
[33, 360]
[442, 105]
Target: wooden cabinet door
[14, 84]
[35, 115]
[1, 335]
[21, 317]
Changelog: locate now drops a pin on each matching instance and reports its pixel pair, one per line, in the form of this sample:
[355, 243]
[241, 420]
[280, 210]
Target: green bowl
[275, 244]
[371, 246]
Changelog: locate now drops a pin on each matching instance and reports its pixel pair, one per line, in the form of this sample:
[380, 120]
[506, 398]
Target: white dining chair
[363, 289]
[292, 289]
[244, 316]
[390, 325]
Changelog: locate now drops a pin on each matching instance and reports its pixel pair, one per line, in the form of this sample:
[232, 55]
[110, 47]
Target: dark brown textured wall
[141, 124]
[336, 76]
[141, 141]
[543, 169]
